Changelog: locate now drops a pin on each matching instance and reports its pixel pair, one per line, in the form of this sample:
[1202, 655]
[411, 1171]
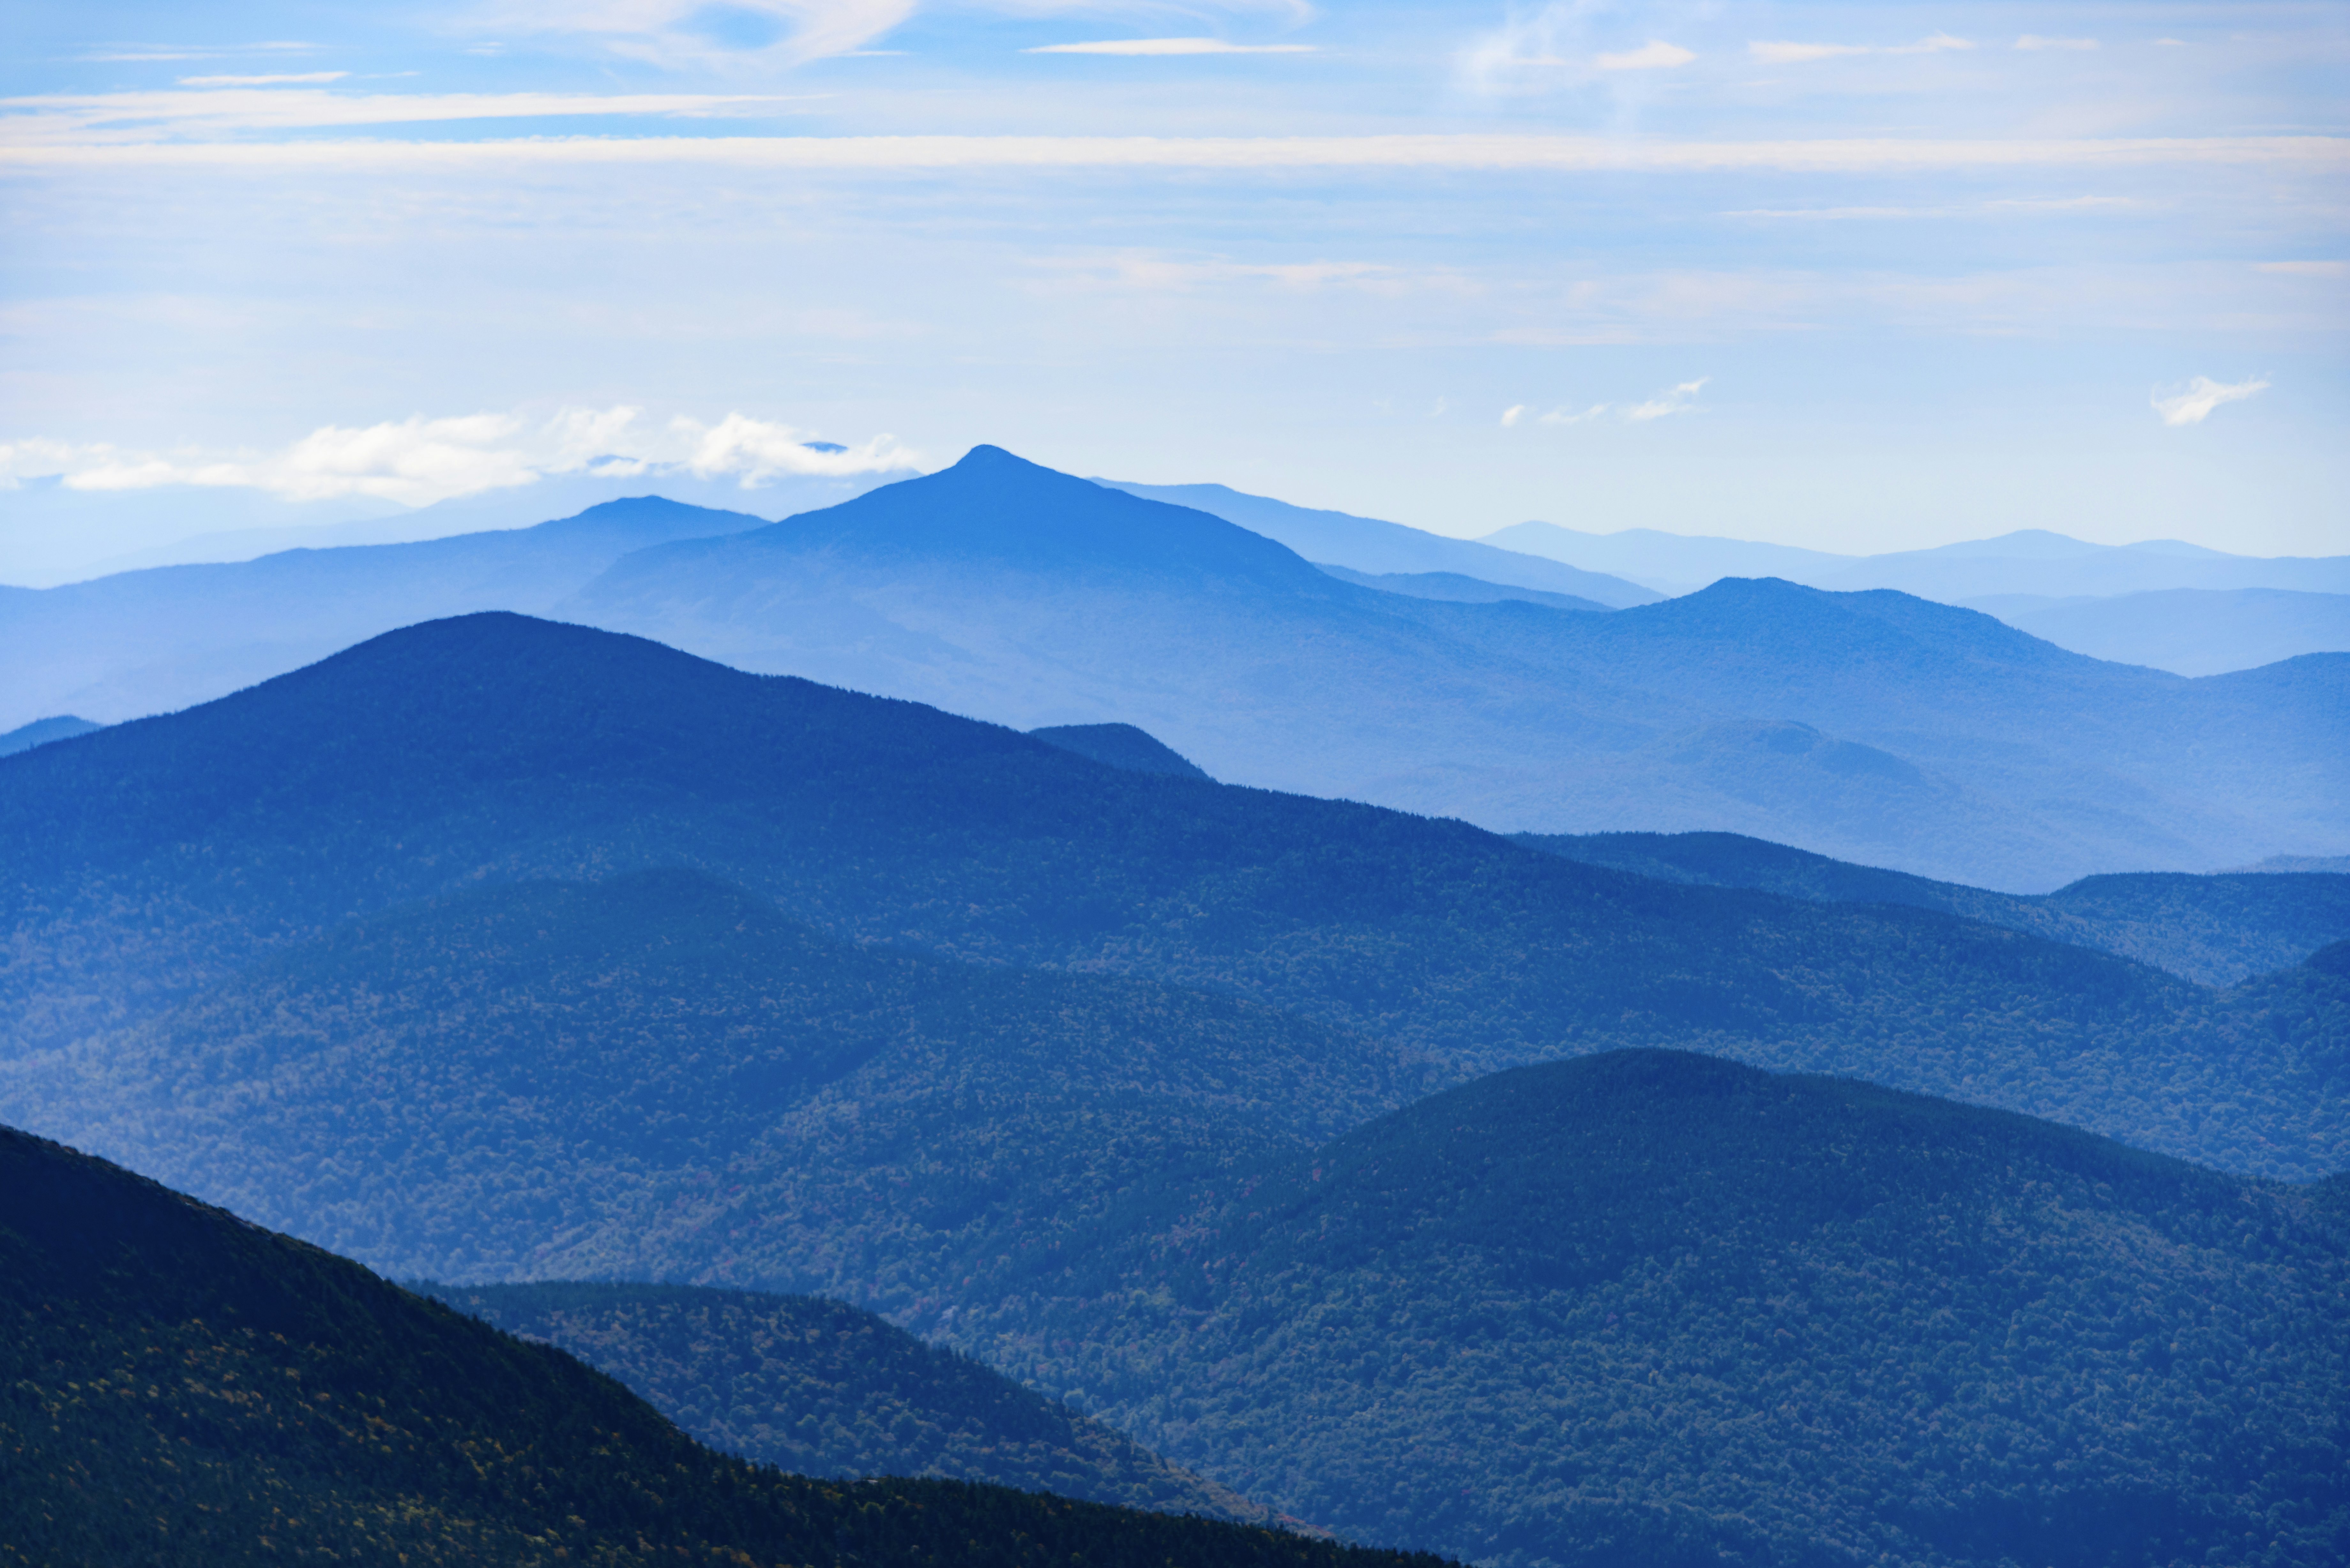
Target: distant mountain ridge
[1862, 726]
[147, 641]
[2029, 561]
[2217, 930]
[1368, 545]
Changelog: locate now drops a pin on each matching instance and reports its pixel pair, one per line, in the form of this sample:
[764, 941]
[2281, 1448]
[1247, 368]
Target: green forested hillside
[2215, 931]
[156, 858]
[821, 1388]
[178, 1387]
[661, 1078]
[1654, 1307]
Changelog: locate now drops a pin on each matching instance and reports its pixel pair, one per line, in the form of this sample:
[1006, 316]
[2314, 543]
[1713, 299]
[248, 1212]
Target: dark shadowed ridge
[179, 1385]
[822, 1388]
[1121, 746]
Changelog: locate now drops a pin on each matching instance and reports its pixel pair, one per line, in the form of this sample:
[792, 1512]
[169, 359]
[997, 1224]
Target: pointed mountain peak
[994, 507]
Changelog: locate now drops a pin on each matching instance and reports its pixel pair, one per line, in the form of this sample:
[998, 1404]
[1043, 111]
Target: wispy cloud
[2194, 405]
[681, 32]
[1565, 416]
[2033, 41]
[305, 77]
[1790, 54]
[28, 140]
[417, 461]
[1169, 47]
[1510, 416]
[136, 117]
[1652, 56]
[1678, 399]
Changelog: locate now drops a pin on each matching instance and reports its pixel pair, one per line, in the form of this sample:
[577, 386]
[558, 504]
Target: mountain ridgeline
[160, 857]
[1868, 725]
[2214, 930]
[178, 1386]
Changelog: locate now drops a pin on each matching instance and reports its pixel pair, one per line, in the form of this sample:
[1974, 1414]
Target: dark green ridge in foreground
[822, 1388]
[154, 858]
[1653, 1307]
[2219, 929]
[661, 1077]
[178, 1387]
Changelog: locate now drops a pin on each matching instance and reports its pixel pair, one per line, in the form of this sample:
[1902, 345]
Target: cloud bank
[417, 461]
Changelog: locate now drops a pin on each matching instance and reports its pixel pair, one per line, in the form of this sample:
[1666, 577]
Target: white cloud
[1510, 415]
[1561, 416]
[417, 461]
[1652, 56]
[755, 450]
[2194, 405]
[1678, 399]
[1785, 54]
[2033, 41]
[1170, 46]
[305, 78]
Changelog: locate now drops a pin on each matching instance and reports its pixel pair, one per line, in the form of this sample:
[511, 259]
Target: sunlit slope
[1653, 1307]
[159, 857]
[177, 1386]
[821, 1388]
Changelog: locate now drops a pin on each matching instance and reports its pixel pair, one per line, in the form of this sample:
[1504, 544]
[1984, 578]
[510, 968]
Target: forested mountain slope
[1869, 725]
[2215, 930]
[178, 1386]
[156, 858]
[822, 1388]
[1652, 1307]
[661, 1078]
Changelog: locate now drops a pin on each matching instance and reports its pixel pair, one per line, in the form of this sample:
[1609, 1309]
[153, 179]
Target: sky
[1857, 277]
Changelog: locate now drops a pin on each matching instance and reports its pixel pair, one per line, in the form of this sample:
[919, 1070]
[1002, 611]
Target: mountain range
[2029, 561]
[1868, 726]
[1393, 1175]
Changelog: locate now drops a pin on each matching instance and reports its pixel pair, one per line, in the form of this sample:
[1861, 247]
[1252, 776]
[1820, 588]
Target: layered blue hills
[1869, 726]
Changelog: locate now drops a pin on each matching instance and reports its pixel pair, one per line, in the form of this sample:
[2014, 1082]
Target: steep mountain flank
[821, 1388]
[178, 1386]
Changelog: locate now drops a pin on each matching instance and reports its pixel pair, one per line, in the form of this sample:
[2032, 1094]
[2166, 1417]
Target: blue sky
[1851, 276]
